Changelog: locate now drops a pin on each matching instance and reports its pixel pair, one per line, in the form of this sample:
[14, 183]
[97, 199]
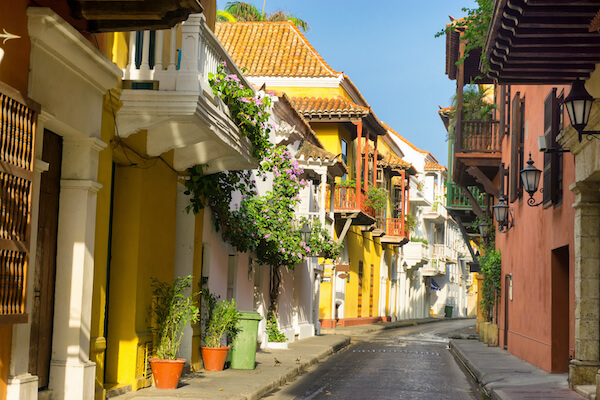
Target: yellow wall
[143, 246]
[98, 341]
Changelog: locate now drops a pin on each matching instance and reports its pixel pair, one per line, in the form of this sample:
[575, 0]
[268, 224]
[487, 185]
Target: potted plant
[276, 339]
[219, 318]
[173, 309]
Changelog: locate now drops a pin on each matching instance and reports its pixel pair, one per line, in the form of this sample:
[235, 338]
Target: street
[406, 363]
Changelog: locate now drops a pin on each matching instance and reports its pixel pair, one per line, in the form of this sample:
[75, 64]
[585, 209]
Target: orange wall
[527, 248]
[5, 345]
[14, 69]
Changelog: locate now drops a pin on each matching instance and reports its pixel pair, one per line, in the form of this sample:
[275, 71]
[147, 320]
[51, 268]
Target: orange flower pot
[166, 373]
[214, 357]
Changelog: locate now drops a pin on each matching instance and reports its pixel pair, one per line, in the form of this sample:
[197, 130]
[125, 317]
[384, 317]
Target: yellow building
[356, 288]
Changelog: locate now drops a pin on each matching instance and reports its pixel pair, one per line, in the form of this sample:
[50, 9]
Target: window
[17, 140]
[344, 146]
[517, 138]
[552, 161]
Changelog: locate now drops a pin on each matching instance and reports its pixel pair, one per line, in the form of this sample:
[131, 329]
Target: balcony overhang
[542, 41]
[358, 217]
[394, 240]
[198, 128]
[132, 15]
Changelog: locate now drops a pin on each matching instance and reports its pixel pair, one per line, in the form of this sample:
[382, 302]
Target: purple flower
[268, 235]
[244, 100]
[233, 77]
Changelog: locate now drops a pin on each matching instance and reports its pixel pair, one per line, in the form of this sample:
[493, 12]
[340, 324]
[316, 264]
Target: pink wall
[527, 255]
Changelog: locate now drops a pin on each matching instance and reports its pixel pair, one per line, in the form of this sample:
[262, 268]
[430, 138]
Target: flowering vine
[248, 111]
[264, 225]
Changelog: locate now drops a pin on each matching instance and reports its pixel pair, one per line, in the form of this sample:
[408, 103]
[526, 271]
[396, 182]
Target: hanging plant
[248, 111]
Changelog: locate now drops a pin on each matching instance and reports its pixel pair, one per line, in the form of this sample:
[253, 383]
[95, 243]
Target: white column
[129, 71]
[158, 51]
[145, 65]
[322, 199]
[173, 49]
[71, 371]
[184, 258]
[187, 78]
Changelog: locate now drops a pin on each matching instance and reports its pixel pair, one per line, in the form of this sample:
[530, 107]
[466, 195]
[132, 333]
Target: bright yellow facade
[134, 242]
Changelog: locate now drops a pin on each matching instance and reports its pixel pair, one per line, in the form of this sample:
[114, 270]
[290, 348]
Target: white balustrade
[188, 66]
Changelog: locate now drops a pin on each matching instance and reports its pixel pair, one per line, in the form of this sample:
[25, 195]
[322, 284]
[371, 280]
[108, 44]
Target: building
[278, 56]
[571, 197]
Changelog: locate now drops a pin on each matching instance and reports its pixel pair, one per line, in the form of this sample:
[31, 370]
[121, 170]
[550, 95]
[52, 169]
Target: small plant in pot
[173, 307]
[277, 339]
[219, 318]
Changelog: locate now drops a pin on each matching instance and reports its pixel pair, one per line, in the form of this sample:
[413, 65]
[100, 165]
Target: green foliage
[347, 183]
[321, 243]
[246, 12]
[249, 112]
[410, 222]
[491, 268]
[420, 186]
[273, 332]
[219, 318]
[421, 240]
[476, 25]
[377, 198]
[173, 309]
[476, 106]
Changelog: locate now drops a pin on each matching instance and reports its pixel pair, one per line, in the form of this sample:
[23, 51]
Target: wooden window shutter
[18, 116]
[515, 133]
[551, 160]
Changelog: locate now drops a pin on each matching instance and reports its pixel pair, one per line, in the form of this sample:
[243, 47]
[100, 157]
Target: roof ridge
[315, 52]
[404, 139]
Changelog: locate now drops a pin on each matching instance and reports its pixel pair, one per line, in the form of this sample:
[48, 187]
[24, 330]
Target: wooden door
[360, 288]
[42, 314]
[371, 289]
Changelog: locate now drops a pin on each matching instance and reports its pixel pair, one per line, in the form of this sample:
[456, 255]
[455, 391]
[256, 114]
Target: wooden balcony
[348, 204]
[456, 199]
[477, 153]
[395, 232]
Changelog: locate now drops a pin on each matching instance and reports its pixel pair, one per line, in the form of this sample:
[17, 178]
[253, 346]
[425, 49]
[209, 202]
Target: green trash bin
[243, 348]
[448, 311]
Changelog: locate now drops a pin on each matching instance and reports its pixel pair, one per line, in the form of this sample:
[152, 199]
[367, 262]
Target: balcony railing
[346, 199]
[154, 56]
[391, 226]
[455, 197]
[443, 252]
[479, 137]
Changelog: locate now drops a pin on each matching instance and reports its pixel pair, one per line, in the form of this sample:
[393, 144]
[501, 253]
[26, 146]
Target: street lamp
[530, 176]
[579, 105]
[503, 215]
[484, 227]
[305, 232]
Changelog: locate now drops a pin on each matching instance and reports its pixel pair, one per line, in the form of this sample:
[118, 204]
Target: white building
[433, 273]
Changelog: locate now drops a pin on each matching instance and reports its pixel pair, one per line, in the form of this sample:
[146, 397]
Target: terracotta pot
[214, 357]
[166, 373]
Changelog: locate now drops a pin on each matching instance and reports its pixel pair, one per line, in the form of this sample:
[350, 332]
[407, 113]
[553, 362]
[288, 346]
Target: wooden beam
[466, 237]
[474, 204]
[489, 187]
[344, 231]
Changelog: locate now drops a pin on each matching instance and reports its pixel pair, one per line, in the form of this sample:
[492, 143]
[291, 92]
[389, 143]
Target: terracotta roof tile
[272, 49]
[430, 166]
[332, 106]
[309, 150]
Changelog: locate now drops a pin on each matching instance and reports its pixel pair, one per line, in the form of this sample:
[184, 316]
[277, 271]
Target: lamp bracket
[509, 224]
[531, 201]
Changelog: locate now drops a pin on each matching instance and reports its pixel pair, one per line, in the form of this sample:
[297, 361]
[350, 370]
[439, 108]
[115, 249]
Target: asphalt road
[406, 363]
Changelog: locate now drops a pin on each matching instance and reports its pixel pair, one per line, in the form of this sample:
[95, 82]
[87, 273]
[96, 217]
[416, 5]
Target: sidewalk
[254, 384]
[503, 376]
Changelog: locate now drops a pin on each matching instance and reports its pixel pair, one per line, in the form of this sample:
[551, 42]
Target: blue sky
[389, 51]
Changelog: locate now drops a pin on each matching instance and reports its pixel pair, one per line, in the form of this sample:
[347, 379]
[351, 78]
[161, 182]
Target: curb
[259, 393]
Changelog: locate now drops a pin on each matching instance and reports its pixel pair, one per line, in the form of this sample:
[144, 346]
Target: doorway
[42, 314]
[560, 309]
